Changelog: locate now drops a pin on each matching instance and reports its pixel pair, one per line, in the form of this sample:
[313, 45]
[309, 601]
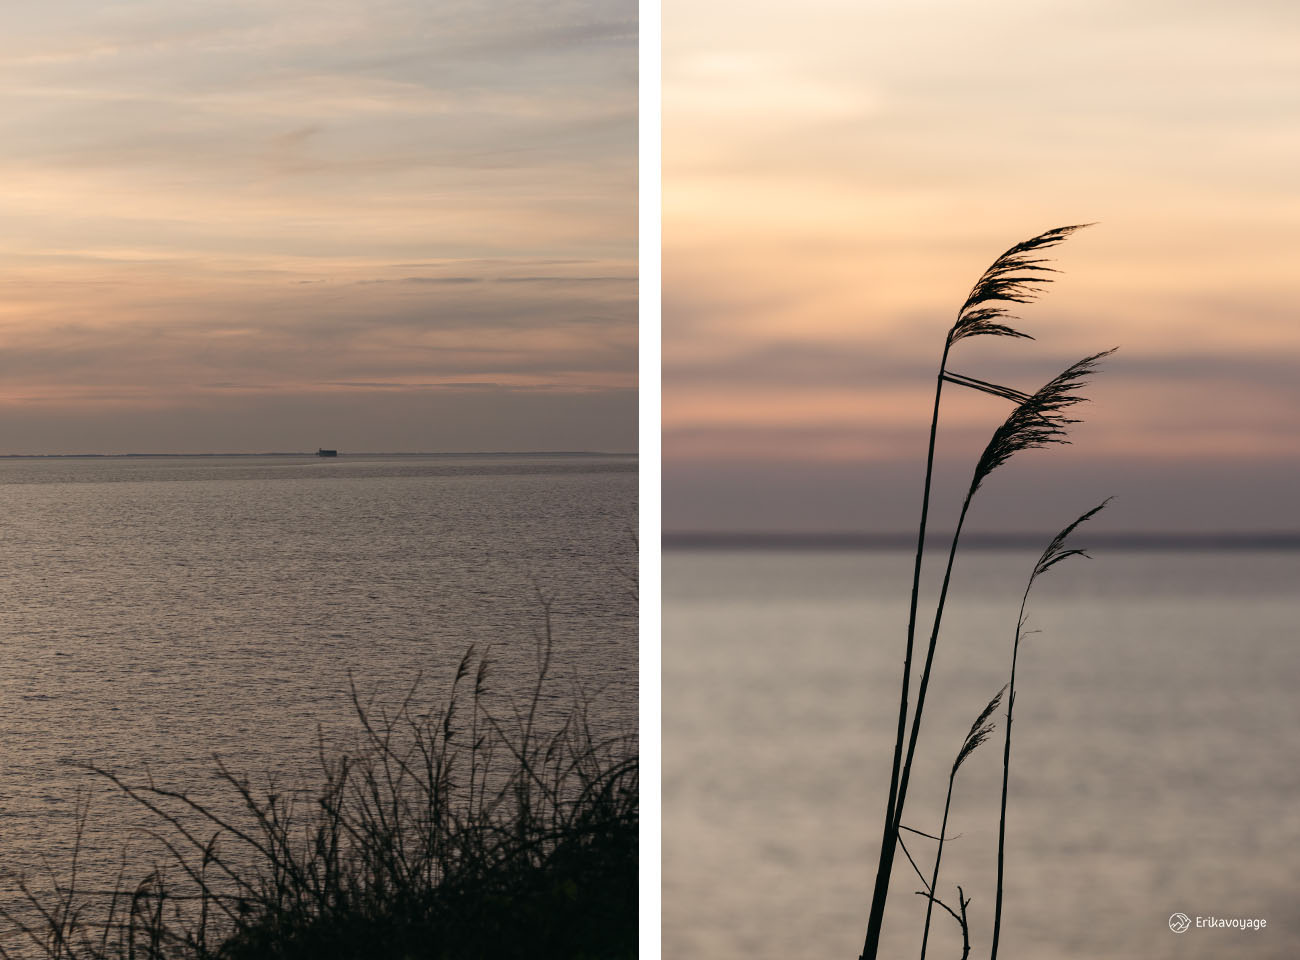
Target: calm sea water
[1155, 769]
[155, 612]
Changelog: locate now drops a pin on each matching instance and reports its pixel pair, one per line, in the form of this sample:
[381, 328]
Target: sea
[1155, 765]
[161, 615]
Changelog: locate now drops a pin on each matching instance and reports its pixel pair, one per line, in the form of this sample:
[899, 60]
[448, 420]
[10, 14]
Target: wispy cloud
[215, 199]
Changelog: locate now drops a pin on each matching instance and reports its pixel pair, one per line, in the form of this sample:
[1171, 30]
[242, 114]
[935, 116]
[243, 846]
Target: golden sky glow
[837, 174]
[220, 219]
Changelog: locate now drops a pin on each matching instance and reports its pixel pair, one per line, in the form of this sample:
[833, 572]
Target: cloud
[357, 420]
[198, 128]
[211, 206]
[456, 280]
[565, 280]
[159, 333]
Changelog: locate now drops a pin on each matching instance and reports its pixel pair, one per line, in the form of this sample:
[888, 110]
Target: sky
[836, 176]
[245, 226]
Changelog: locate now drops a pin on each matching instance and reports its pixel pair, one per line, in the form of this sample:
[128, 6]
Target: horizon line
[340, 453]
[863, 540]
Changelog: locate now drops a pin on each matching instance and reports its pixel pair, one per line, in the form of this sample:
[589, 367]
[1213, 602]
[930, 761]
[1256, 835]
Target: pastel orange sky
[836, 175]
[247, 227]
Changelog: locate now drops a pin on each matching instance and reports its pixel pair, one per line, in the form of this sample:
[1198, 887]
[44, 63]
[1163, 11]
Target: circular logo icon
[1179, 922]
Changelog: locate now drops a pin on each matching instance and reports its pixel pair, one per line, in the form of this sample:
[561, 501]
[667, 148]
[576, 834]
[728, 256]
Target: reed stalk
[979, 732]
[1056, 552]
[890, 837]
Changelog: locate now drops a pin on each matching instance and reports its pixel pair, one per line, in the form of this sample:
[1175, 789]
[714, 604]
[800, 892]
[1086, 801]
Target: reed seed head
[1056, 550]
[1040, 420]
[1014, 277]
[980, 731]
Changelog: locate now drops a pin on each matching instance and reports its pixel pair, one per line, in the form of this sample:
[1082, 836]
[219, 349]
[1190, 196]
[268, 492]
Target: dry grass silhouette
[450, 831]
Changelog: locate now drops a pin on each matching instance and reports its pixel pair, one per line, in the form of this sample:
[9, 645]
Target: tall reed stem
[1006, 776]
[1056, 552]
[929, 663]
[889, 841]
[938, 856]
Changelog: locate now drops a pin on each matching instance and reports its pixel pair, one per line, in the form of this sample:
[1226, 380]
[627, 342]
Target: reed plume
[1040, 419]
[980, 731]
[1015, 277]
[1055, 552]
